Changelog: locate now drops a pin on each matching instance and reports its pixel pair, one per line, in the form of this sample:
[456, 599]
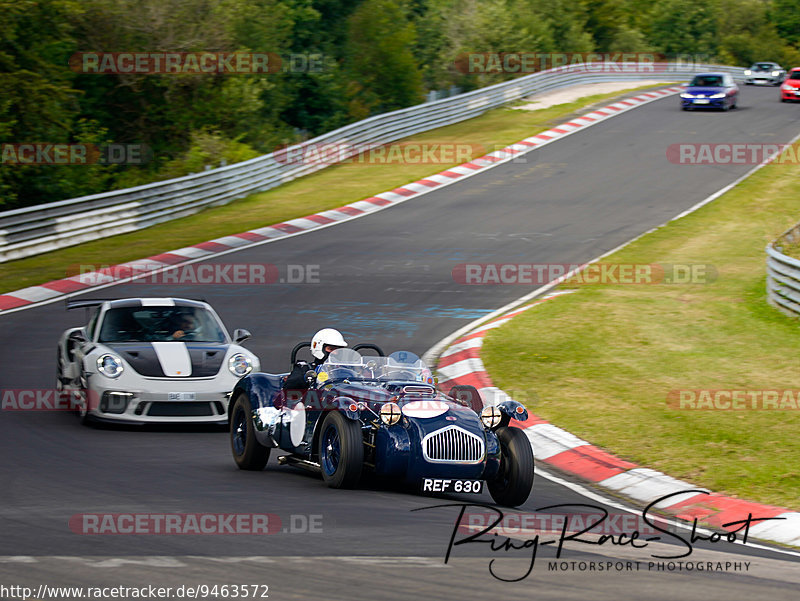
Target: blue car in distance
[710, 90]
[383, 416]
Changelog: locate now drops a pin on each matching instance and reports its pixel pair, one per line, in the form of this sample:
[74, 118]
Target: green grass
[791, 249]
[603, 360]
[328, 189]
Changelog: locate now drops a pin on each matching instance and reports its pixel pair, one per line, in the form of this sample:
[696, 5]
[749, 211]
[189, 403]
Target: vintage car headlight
[240, 365]
[390, 413]
[720, 95]
[491, 416]
[109, 365]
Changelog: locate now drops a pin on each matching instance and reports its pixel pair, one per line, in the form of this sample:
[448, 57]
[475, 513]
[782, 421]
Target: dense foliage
[343, 60]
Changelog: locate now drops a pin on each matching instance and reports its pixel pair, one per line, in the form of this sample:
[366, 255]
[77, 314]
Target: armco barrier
[42, 228]
[783, 275]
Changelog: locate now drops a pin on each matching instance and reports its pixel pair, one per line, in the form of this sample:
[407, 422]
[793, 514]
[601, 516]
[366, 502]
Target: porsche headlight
[686, 95]
[491, 416]
[390, 413]
[110, 365]
[788, 87]
[720, 95]
[747, 71]
[776, 73]
[240, 365]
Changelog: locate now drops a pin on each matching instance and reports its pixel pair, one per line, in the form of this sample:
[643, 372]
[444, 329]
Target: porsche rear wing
[95, 302]
[90, 302]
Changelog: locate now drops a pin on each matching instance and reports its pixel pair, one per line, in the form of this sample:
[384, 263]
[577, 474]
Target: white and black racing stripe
[172, 359]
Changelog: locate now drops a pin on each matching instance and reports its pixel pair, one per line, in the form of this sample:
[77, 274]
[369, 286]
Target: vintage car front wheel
[341, 451]
[514, 482]
[248, 453]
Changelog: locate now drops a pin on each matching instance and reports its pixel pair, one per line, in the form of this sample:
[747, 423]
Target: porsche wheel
[248, 453]
[469, 395]
[341, 451]
[514, 482]
[82, 405]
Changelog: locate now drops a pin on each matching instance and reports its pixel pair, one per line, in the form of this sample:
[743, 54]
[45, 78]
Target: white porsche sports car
[145, 360]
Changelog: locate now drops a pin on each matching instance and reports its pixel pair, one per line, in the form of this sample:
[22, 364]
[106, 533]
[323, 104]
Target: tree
[685, 27]
[38, 102]
[379, 59]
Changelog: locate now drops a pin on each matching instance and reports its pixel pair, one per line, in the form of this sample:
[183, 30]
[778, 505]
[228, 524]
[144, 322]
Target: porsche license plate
[181, 396]
[452, 485]
[701, 100]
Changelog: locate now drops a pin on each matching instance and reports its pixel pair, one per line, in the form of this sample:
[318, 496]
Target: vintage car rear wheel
[515, 480]
[341, 451]
[248, 453]
[468, 394]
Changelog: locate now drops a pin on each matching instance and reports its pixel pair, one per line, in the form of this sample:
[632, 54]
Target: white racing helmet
[323, 338]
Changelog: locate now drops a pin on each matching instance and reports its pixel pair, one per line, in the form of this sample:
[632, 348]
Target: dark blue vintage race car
[383, 415]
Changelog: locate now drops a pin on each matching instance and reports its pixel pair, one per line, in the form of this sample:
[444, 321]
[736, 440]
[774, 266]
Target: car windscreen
[346, 363]
[764, 66]
[160, 324]
[794, 74]
[707, 81]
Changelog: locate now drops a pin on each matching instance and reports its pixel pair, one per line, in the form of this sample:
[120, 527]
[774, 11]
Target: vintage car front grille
[452, 445]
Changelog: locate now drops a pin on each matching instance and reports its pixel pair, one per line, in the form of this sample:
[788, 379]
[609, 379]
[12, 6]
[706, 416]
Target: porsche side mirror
[79, 336]
[240, 335]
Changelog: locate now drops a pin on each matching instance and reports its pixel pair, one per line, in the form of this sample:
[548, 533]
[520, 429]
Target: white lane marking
[174, 358]
[644, 484]
[184, 561]
[463, 346]
[461, 369]
[778, 530]
[34, 293]
[548, 440]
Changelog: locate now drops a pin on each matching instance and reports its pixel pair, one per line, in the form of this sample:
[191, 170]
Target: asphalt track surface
[385, 278]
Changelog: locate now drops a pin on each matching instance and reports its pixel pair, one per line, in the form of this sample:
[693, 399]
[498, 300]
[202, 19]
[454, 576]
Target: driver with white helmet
[323, 344]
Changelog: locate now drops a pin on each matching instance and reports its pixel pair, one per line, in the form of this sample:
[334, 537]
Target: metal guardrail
[43, 228]
[783, 275]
